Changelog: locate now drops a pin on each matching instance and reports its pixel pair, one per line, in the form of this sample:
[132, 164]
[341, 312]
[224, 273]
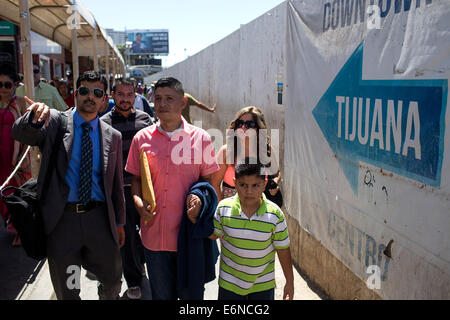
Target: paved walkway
[41, 288]
[23, 278]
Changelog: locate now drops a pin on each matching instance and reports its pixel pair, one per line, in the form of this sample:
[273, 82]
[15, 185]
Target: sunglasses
[98, 93]
[36, 71]
[6, 84]
[249, 124]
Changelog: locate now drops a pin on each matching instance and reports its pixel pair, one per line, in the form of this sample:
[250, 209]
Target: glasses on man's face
[98, 93]
[249, 124]
[6, 84]
[36, 71]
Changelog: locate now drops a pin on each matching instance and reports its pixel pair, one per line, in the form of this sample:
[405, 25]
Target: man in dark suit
[83, 208]
[124, 118]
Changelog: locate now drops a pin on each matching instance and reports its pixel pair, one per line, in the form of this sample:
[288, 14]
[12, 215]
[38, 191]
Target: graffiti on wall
[360, 246]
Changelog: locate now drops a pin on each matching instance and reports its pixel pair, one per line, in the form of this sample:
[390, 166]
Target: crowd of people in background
[102, 189]
[57, 93]
[10, 150]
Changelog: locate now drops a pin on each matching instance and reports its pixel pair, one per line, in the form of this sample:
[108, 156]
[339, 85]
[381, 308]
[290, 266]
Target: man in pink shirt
[179, 155]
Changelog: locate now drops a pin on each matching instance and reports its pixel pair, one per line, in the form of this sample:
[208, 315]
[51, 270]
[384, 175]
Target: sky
[193, 24]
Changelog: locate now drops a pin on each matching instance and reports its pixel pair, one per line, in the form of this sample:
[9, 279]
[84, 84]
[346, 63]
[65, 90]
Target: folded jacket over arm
[197, 254]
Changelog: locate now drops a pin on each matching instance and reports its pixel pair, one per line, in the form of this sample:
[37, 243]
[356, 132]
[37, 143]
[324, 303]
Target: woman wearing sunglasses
[249, 118]
[10, 150]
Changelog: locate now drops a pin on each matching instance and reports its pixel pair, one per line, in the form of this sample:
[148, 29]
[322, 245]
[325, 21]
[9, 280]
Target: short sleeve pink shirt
[175, 164]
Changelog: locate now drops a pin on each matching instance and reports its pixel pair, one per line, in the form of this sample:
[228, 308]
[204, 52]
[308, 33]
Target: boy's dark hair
[171, 83]
[7, 69]
[92, 76]
[249, 167]
[123, 82]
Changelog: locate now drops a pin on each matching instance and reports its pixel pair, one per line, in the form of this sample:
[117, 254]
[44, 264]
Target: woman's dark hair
[7, 69]
[92, 76]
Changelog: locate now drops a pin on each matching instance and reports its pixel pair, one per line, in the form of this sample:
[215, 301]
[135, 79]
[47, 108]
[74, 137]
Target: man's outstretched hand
[41, 111]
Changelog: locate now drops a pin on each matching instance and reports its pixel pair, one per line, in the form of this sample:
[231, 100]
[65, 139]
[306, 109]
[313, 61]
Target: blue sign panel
[146, 42]
[397, 125]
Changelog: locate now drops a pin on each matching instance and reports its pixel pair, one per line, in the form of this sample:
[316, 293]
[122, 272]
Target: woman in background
[11, 151]
[65, 93]
[249, 118]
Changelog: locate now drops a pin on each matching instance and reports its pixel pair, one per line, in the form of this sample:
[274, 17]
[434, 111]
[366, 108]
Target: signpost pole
[107, 64]
[95, 50]
[75, 64]
[26, 49]
[27, 57]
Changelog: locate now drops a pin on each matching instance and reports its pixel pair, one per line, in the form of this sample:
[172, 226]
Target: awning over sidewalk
[103, 46]
[67, 23]
[56, 19]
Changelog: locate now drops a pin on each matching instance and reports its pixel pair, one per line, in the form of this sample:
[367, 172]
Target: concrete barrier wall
[238, 71]
[367, 221]
[367, 171]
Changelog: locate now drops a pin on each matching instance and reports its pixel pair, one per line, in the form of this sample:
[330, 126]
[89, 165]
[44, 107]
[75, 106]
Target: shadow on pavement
[16, 268]
[314, 287]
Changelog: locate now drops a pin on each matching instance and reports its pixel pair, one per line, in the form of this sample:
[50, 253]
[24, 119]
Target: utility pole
[28, 78]
[25, 37]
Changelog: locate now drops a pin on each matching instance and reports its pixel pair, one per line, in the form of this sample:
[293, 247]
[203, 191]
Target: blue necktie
[85, 186]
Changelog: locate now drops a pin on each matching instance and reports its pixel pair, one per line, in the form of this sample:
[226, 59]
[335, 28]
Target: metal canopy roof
[50, 19]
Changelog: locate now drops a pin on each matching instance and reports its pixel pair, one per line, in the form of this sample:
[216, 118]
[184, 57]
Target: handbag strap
[58, 141]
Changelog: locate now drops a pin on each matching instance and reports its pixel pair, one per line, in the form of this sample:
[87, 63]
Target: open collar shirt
[47, 94]
[176, 163]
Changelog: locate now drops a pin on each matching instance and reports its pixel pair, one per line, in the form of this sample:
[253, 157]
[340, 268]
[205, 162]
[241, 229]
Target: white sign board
[367, 140]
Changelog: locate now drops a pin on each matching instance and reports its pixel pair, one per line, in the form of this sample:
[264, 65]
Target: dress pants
[133, 251]
[84, 239]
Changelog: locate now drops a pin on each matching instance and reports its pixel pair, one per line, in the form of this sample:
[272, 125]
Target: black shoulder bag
[24, 208]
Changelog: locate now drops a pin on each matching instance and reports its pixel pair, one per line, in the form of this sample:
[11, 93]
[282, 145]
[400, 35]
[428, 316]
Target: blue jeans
[162, 274]
[262, 295]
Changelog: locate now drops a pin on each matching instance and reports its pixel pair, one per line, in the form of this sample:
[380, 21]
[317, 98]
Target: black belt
[83, 208]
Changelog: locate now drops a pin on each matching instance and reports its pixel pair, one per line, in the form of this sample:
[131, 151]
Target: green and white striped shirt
[247, 262]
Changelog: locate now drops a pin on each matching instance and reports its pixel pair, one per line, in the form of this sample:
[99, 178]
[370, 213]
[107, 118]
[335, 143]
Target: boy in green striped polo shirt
[251, 229]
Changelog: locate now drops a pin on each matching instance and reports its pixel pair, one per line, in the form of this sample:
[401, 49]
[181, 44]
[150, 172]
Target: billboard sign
[145, 42]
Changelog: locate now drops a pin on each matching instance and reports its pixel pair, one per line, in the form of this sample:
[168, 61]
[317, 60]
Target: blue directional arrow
[424, 104]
